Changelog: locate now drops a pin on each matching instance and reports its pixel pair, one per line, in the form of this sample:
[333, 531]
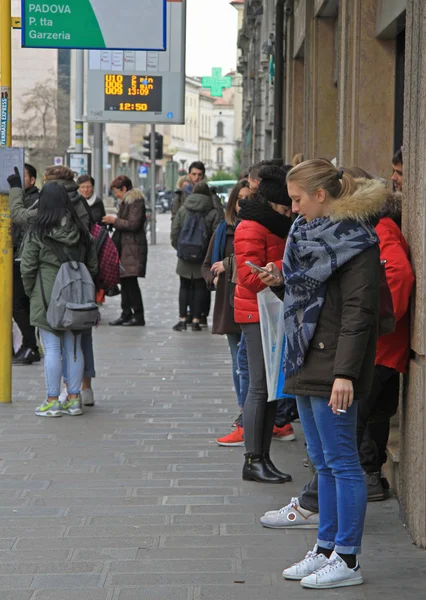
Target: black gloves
[15, 179]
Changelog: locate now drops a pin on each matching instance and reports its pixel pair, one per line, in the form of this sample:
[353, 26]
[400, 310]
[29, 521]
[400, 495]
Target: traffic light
[147, 145]
[158, 146]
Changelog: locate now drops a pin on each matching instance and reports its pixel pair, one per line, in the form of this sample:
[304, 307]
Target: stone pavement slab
[135, 501]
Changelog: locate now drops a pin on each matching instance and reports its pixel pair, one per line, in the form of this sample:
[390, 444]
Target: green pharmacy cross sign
[217, 82]
[94, 24]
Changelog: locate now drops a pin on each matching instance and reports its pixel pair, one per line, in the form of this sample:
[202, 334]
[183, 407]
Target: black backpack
[193, 239]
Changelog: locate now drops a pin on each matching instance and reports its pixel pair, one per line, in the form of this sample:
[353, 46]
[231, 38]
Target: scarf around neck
[314, 251]
[219, 245]
[255, 209]
[91, 201]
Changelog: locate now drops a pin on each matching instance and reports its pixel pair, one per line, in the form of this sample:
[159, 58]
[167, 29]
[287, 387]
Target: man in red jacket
[375, 412]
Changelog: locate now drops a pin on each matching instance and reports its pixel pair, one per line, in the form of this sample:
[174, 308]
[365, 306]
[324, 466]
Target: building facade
[224, 143]
[349, 83]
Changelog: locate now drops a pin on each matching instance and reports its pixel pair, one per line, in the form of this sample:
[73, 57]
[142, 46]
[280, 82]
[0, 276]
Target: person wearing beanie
[259, 238]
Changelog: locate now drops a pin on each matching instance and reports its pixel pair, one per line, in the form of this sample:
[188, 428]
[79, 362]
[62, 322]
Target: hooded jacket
[393, 350]
[203, 205]
[259, 238]
[344, 343]
[130, 223]
[38, 258]
[22, 215]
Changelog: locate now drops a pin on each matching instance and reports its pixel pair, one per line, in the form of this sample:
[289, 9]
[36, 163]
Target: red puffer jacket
[393, 349]
[255, 243]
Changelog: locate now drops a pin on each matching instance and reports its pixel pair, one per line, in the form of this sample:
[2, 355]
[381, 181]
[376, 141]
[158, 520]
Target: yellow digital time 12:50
[139, 93]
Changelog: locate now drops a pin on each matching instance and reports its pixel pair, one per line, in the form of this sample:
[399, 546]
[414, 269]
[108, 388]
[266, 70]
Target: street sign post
[124, 24]
[141, 87]
[143, 172]
[217, 82]
[80, 162]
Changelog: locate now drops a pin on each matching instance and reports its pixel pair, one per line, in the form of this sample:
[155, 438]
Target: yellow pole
[6, 249]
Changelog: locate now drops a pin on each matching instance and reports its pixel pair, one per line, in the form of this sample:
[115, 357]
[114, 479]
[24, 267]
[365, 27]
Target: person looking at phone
[259, 238]
[331, 303]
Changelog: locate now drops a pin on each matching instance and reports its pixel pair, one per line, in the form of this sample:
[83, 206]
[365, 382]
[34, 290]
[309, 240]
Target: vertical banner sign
[94, 24]
[4, 116]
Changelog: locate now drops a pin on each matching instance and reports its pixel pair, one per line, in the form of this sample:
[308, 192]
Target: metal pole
[98, 150]
[79, 100]
[153, 180]
[6, 249]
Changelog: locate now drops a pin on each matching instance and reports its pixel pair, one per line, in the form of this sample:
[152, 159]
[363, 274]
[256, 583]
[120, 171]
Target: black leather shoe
[181, 326]
[119, 321]
[270, 465]
[255, 469]
[26, 356]
[134, 322]
[196, 327]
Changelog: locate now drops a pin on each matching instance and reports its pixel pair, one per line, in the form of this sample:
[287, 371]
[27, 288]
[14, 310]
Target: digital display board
[133, 93]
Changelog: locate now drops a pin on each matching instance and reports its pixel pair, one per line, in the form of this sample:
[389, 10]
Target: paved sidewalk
[135, 501]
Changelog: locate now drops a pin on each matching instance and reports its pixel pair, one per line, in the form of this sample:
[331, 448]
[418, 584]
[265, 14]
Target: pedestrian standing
[86, 187]
[56, 223]
[130, 238]
[217, 272]
[260, 238]
[331, 302]
[29, 352]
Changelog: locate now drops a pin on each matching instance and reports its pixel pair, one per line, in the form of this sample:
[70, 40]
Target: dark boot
[375, 491]
[273, 468]
[255, 469]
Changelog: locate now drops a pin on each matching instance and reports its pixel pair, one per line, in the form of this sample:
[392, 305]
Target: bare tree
[44, 128]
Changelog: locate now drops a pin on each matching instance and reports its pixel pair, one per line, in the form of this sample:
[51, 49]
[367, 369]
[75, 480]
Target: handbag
[108, 258]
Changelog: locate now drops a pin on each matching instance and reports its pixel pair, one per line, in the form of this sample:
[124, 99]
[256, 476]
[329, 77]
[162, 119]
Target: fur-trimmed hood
[133, 195]
[367, 202]
[393, 207]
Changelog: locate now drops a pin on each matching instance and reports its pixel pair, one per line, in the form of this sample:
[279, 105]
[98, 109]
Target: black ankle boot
[273, 468]
[255, 469]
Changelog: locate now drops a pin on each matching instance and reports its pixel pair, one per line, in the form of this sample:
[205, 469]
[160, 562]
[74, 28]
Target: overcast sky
[211, 36]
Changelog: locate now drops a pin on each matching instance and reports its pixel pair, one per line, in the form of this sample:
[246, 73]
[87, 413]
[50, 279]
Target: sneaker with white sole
[310, 564]
[87, 397]
[49, 409]
[72, 407]
[334, 574]
[292, 515]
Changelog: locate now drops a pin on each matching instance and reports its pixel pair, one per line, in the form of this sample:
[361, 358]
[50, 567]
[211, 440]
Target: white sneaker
[311, 563]
[87, 398]
[292, 515]
[63, 396]
[334, 574]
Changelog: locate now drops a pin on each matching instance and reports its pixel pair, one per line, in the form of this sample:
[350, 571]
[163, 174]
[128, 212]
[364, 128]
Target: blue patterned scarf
[314, 251]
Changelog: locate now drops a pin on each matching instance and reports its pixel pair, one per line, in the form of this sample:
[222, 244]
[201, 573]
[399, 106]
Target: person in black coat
[86, 187]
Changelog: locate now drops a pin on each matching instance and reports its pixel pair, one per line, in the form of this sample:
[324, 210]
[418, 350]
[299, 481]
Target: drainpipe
[283, 10]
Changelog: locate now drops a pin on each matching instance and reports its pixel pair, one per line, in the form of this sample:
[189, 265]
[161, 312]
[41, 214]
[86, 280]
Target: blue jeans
[342, 493]
[89, 357]
[243, 371]
[59, 352]
[233, 341]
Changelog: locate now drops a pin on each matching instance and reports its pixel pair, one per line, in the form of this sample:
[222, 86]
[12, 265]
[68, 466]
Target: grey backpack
[72, 305]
